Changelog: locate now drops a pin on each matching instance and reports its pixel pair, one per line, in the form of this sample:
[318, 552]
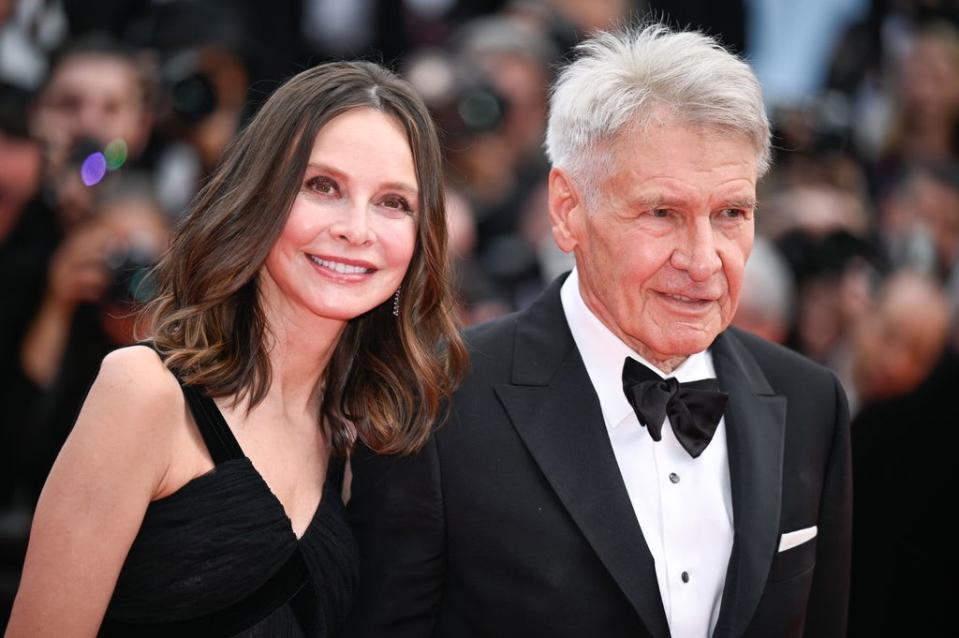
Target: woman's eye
[320, 184]
[397, 203]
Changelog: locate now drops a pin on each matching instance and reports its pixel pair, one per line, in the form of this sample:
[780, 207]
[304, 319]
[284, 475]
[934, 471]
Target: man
[574, 492]
[97, 92]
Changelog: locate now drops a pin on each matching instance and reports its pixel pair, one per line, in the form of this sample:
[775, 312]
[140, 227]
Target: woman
[304, 304]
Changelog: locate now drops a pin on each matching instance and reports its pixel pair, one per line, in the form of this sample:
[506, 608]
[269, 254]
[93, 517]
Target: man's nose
[697, 254]
[91, 120]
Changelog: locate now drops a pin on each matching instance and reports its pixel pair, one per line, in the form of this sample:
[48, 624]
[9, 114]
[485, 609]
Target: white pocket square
[800, 536]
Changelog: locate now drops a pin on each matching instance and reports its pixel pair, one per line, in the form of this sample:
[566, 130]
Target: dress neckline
[224, 447]
[324, 497]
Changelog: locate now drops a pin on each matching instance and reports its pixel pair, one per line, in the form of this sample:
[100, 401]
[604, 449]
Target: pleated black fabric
[219, 556]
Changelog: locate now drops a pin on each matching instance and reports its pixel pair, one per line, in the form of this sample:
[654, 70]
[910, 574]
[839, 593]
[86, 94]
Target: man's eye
[659, 212]
[65, 103]
[321, 184]
[733, 213]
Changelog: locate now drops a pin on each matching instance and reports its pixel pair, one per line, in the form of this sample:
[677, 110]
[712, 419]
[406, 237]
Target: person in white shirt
[620, 462]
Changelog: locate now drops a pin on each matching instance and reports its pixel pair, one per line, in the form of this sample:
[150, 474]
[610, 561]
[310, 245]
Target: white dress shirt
[683, 505]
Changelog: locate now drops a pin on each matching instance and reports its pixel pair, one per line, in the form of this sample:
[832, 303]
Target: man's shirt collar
[604, 353]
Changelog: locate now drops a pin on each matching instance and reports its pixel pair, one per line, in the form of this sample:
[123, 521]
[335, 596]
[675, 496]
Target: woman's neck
[299, 346]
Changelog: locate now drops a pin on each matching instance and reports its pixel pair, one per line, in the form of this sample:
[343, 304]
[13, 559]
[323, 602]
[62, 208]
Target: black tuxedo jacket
[514, 519]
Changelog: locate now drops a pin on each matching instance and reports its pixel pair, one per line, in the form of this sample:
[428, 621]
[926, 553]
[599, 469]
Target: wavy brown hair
[388, 376]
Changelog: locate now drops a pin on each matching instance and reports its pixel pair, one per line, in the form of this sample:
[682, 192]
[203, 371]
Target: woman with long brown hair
[304, 305]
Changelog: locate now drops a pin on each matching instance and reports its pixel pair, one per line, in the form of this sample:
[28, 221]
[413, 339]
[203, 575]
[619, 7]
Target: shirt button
[674, 478]
[685, 577]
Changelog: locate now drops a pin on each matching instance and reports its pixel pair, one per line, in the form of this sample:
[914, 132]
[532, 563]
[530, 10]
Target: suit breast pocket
[793, 562]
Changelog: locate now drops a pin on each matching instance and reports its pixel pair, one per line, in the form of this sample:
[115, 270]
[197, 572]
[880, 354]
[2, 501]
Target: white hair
[628, 78]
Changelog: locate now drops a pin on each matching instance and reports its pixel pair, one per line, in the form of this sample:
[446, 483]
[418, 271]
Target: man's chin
[684, 340]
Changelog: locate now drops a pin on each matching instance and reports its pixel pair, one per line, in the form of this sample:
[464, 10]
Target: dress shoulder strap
[216, 433]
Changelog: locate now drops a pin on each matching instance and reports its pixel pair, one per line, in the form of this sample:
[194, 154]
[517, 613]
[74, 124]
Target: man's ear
[565, 203]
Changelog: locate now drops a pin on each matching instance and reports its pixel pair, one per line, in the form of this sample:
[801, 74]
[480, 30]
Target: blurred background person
[904, 438]
[766, 303]
[209, 70]
[925, 125]
[490, 99]
[97, 97]
[900, 339]
[98, 90]
[22, 232]
[918, 224]
[97, 277]
[27, 236]
[29, 31]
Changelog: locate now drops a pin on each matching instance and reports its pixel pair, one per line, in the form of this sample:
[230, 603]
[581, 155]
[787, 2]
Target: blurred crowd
[113, 112]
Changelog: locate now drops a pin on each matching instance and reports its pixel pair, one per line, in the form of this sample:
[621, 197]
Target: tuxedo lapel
[755, 432]
[554, 408]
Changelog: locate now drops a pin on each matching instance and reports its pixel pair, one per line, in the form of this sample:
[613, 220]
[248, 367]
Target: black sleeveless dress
[219, 557]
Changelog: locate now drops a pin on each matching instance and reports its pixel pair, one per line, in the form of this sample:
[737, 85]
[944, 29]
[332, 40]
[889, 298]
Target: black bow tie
[694, 408]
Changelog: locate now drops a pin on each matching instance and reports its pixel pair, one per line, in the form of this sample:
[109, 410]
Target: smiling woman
[304, 305]
[352, 228]
[308, 145]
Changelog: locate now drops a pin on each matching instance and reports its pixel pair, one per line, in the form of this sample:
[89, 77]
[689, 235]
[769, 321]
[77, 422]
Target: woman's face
[352, 228]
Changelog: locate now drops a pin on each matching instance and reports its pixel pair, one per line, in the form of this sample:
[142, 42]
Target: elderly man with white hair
[620, 462]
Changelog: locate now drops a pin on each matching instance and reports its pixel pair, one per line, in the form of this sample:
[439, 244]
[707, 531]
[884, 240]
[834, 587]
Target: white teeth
[682, 298]
[336, 266]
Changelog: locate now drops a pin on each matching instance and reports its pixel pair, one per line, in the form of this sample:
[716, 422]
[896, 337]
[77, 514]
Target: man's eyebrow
[748, 203]
[662, 200]
[655, 200]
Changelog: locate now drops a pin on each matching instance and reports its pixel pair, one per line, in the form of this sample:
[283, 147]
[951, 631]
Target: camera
[190, 90]
[461, 97]
[130, 268]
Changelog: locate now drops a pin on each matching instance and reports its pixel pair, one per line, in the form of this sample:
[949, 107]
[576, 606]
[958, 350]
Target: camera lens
[193, 97]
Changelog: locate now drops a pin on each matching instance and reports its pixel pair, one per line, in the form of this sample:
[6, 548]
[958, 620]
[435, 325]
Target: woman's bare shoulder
[110, 468]
[134, 398]
[136, 376]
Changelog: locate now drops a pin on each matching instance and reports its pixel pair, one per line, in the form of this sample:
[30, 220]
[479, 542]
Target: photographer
[99, 90]
[95, 278]
[97, 97]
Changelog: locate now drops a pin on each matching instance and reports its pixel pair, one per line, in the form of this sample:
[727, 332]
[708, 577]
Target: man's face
[661, 253]
[97, 96]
